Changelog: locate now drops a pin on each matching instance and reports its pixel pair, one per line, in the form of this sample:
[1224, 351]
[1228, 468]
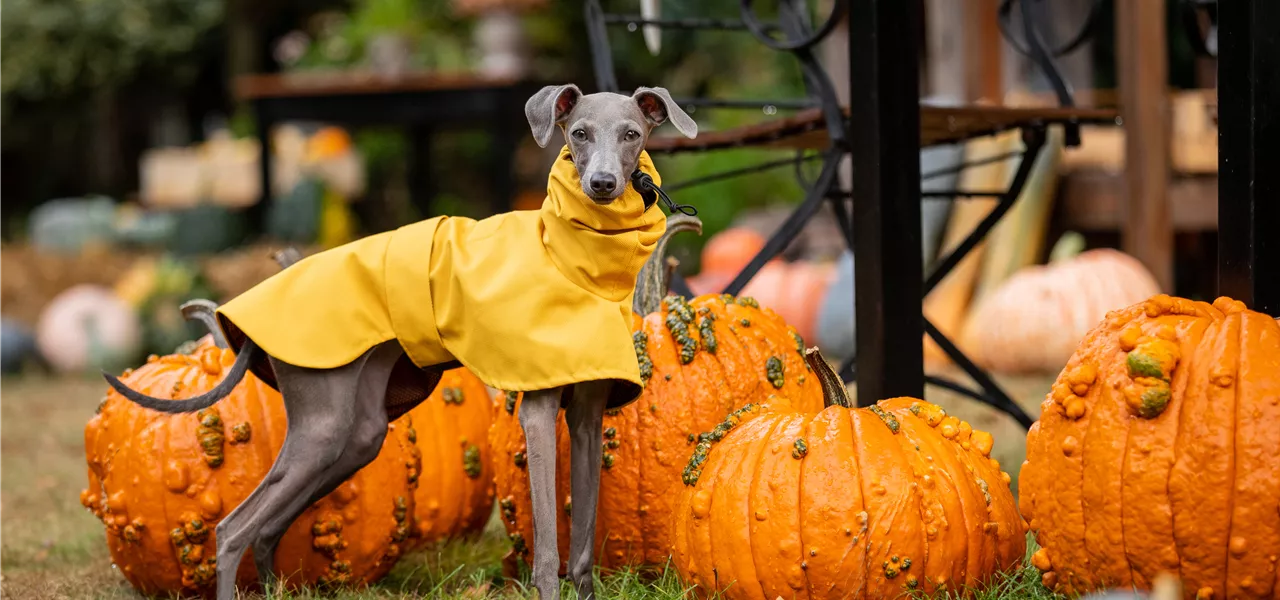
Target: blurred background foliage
[87, 85]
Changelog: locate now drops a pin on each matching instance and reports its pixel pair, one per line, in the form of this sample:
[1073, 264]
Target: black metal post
[1248, 148]
[883, 134]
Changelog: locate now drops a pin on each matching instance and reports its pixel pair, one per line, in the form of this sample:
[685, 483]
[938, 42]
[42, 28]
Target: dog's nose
[603, 183]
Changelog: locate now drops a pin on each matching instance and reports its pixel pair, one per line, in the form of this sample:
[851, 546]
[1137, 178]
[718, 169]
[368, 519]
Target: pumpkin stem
[655, 276]
[833, 390]
[286, 257]
[1067, 247]
[202, 310]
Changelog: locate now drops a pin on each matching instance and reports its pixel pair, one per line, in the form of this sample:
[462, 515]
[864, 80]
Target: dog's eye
[579, 134]
[632, 135]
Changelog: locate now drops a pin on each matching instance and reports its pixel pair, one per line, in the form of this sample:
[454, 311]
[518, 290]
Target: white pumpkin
[1035, 319]
[88, 326]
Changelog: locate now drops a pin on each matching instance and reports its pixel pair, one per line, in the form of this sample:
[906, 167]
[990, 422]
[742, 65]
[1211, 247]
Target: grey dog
[337, 418]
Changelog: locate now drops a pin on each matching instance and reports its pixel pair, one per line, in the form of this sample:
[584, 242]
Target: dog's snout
[603, 183]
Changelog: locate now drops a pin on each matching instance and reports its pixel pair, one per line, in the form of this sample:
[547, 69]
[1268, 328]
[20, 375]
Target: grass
[51, 548]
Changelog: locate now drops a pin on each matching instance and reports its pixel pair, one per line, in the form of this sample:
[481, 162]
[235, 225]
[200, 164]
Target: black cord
[651, 192]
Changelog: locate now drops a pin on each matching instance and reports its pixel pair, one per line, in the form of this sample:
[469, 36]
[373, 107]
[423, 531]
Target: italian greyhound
[338, 417]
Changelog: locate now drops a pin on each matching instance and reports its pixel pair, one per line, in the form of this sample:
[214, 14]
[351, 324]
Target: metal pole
[884, 141]
[1248, 148]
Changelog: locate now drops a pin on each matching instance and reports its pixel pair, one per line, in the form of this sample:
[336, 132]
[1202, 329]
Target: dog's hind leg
[368, 430]
[584, 417]
[320, 411]
[539, 412]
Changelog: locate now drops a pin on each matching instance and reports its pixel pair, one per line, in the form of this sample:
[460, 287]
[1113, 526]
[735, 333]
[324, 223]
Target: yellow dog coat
[527, 300]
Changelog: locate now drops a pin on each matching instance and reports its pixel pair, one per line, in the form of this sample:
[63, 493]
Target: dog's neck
[598, 247]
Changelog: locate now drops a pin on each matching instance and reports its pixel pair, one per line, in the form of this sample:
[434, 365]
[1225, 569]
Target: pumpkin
[730, 250]
[1156, 452]
[700, 358]
[86, 327]
[874, 502]
[794, 290]
[1035, 319]
[455, 491]
[161, 483]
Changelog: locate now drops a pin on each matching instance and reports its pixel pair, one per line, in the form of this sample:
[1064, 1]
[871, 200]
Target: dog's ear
[658, 108]
[549, 107]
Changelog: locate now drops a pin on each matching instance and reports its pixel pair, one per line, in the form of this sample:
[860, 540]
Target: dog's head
[606, 131]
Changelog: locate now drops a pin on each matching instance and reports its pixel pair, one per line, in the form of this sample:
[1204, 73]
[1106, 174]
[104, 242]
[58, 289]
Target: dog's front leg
[538, 415]
[584, 417]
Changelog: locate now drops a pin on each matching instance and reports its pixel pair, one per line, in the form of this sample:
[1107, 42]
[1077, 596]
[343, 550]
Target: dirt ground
[51, 548]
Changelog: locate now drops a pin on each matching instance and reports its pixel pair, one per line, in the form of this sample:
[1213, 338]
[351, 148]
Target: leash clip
[651, 192]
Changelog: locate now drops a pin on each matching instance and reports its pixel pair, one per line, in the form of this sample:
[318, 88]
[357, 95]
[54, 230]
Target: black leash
[651, 192]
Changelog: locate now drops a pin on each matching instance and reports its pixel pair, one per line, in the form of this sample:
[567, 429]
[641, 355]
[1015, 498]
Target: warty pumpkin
[699, 358]
[1156, 452]
[451, 428]
[1035, 319]
[160, 483]
[872, 502]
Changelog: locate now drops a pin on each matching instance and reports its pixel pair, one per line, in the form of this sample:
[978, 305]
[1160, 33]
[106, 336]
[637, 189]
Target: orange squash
[455, 492]
[1156, 452]
[793, 290]
[874, 502]
[160, 483]
[730, 250]
[700, 359]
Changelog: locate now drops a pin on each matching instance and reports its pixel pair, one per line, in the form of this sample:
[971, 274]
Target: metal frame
[1248, 142]
[883, 225]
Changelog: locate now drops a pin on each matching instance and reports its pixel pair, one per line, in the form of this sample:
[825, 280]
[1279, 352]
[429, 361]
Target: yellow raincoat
[527, 300]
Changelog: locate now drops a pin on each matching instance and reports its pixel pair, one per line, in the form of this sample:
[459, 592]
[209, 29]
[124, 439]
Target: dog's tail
[246, 356]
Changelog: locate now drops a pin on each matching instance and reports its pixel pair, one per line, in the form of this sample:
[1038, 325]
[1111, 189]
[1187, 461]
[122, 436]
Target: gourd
[87, 327]
[1033, 322]
[1156, 452]
[876, 502]
[161, 483]
[699, 358]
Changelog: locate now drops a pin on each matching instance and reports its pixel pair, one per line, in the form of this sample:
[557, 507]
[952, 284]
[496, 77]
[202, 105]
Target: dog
[531, 301]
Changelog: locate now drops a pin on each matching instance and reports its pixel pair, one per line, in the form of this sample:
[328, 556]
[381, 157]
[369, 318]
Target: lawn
[53, 549]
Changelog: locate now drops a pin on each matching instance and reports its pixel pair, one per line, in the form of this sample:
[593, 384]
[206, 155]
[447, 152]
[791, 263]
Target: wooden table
[422, 103]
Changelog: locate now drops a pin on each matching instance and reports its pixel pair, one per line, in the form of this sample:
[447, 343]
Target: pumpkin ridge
[863, 534]
[748, 349]
[1178, 445]
[774, 424]
[862, 505]
[1183, 496]
[807, 420]
[948, 453]
[932, 445]
[1256, 492]
[1158, 549]
[907, 446]
[1108, 416]
[1235, 458]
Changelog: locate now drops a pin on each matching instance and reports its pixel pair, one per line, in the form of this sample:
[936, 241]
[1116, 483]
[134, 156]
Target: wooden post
[1143, 71]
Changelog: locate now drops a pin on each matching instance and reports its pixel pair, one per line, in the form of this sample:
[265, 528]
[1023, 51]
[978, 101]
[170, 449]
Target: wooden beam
[1143, 69]
[1096, 201]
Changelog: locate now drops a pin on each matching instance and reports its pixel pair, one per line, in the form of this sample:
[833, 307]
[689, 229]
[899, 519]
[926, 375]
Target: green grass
[51, 548]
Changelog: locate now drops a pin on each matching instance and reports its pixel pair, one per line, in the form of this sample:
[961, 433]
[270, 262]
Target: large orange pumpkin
[161, 483]
[1156, 451]
[455, 491]
[700, 359]
[873, 502]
